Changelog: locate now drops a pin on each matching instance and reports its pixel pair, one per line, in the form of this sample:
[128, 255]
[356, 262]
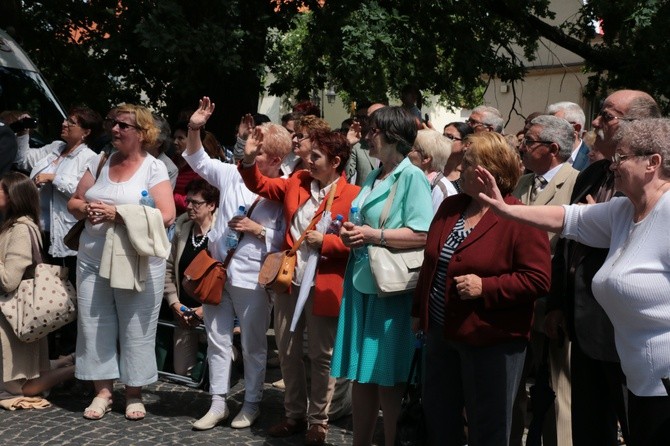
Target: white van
[22, 87]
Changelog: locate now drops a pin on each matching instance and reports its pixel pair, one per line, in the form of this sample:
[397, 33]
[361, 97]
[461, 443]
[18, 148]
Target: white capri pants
[252, 308]
[108, 316]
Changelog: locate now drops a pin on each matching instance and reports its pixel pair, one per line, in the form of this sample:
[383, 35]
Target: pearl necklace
[202, 240]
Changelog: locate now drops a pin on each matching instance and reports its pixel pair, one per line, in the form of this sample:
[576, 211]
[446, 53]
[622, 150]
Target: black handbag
[411, 424]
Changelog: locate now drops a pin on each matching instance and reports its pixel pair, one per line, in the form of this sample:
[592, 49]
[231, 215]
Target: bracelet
[195, 129]
[382, 240]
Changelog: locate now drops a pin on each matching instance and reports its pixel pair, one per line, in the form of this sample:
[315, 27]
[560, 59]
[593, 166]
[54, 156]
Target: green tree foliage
[165, 53]
[449, 47]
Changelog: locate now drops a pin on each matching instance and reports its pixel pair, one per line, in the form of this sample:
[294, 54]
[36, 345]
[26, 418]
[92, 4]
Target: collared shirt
[551, 173]
[301, 221]
[573, 155]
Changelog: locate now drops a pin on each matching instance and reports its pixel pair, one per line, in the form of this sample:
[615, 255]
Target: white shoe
[210, 420]
[245, 419]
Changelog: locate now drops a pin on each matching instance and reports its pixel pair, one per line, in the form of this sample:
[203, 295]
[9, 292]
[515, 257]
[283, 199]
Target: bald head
[375, 107]
[621, 107]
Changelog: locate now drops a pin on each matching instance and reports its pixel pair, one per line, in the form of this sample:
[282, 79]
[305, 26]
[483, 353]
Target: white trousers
[252, 308]
[109, 316]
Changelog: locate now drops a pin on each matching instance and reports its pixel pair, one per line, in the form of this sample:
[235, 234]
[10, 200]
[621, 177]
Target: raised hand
[202, 114]
[246, 127]
[254, 143]
[490, 193]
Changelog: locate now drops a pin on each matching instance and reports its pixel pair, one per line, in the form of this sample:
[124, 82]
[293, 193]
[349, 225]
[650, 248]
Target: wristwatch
[261, 235]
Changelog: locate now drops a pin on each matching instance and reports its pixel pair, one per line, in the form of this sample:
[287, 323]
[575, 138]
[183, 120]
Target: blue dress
[374, 341]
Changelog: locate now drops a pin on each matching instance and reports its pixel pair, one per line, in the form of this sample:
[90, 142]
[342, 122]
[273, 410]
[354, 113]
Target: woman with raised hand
[304, 196]
[633, 284]
[262, 230]
[121, 263]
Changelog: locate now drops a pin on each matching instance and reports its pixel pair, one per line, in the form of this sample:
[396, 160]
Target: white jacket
[68, 173]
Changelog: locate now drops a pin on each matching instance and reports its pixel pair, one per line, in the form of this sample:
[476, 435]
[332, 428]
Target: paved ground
[171, 410]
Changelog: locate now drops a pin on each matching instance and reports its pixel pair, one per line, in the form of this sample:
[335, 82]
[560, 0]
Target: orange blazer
[293, 192]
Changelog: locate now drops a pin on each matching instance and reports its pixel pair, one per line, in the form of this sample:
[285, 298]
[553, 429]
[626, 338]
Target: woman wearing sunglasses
[121, 308]
[302, 143]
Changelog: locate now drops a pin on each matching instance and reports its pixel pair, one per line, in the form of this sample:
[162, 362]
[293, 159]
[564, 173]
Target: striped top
[437, 290]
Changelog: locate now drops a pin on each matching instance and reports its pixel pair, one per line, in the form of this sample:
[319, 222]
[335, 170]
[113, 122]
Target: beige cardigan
[20, 360]
[125, 256]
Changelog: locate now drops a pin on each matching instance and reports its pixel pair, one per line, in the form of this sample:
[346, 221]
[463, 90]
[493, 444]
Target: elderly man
[545, 150]
[574, 114]
[485, 119]
[596, 376]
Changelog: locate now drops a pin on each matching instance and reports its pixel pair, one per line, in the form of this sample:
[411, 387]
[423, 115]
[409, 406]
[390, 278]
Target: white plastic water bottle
[335, 225]
[357, 219]
[147, 200]
[233, 236]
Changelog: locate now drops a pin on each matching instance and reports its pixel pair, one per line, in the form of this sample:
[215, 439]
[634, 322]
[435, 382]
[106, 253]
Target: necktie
[538, 184]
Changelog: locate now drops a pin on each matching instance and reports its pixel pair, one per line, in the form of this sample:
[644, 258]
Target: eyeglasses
[452, 137]
[195, 203]
[70, 123]
[526, 142]
[122, 125]
[299, 136]
[474, 123]
[619, 158]
[607, 117]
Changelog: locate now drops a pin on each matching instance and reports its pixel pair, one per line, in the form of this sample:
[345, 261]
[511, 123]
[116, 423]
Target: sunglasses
[607, 117]
[194, 203]
[299, 137]
[109, 122]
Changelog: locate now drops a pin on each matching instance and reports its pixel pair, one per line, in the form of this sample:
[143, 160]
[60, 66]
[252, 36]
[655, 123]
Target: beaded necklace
[202, 239]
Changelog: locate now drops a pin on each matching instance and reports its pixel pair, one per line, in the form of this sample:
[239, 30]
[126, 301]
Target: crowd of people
[541, 252]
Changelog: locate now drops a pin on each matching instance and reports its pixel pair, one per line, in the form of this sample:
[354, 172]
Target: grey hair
[573, 113]
[435, 145]
[645, 136]
[556, 130]
[491, 116]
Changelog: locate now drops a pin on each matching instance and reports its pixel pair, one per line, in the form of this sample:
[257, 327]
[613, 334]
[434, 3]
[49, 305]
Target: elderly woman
[262, 229]
[24, 368]
[374, 341]
[304, 196]
[632, 285]
[190, 237]
[477, 309]
[430, 153]
[456, 132]
[116, 307]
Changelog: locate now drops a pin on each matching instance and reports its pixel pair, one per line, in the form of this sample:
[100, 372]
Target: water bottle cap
[339, 217]
[241, 208]
[354, 209]
[145, 193]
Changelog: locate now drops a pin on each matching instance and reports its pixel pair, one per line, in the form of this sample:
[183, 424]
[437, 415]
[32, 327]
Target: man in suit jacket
[545, 149]
[596, 376]
[574, 114]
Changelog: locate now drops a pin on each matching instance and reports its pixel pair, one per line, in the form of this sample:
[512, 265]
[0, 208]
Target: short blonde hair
[435, 145]
[276, 140]
[144, 119]
[491, 151]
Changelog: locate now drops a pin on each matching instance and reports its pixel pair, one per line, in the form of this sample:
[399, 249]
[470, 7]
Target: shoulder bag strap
[387, 206]
[329, 203]
[229, 254]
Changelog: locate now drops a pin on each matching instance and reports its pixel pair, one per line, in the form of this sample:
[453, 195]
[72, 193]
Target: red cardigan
[513, 261]
[293, 192]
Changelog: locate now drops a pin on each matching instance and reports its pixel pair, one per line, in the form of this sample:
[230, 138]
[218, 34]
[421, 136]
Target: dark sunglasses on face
[299, 137]
[122, 125]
